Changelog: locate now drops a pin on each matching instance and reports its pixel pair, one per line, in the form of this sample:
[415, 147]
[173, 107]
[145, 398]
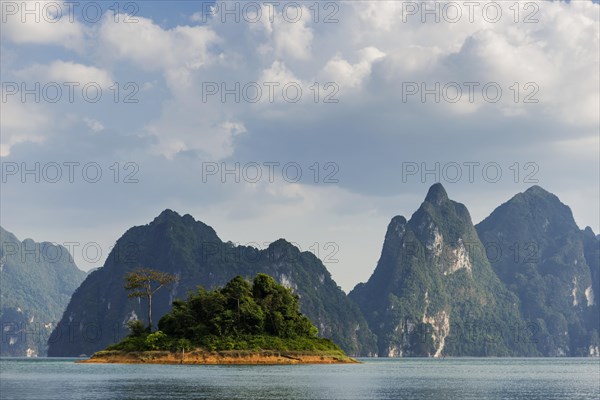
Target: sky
[316, 122]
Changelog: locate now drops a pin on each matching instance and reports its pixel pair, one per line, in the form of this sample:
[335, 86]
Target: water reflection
[452, 379]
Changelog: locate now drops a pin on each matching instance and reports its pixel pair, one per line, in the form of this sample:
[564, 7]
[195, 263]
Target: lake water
[387, 379]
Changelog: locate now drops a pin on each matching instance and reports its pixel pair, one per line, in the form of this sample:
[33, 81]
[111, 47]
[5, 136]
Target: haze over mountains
[523, 282]
[36, 284]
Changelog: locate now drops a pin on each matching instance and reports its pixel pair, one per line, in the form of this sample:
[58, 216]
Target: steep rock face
[434, 293]
[191, 250]
[538, 251]
[36, 282]
[591, 249]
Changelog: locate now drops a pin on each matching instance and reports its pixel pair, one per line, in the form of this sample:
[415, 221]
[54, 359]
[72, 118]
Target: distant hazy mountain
[551, 265]
[434, 293]
[36, 283]
[192, 250]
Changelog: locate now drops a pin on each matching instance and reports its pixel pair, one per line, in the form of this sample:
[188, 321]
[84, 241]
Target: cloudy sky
[317, 124]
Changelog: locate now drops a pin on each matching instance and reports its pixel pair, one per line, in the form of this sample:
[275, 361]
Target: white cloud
[380, 16]
[65, 71]
[198, 17]
[352, 75]
[43, 25]
[370, 52]
[550, 53]
[288, 34]
[21, 122]
[175, 52]
[210, 137]
[278, 72]
[95, 125]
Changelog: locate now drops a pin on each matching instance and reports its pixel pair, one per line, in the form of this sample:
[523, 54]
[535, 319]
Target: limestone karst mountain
[552, 266]
[434, 293]
[36, 283]
[192, 251]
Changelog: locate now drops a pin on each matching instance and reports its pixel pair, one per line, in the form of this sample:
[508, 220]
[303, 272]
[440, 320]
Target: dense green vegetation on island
[242, 315]
[192, 251]
[523, 282]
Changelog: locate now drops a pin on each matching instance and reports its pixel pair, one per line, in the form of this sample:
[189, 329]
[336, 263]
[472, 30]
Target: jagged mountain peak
[6, 236]
[439, 213]
[281, 242]
[398, 220]
[427, 279]
[35, 286]
[282, 249]
[191, 250]
[396, 227]
[169, 215]
[537, 190]
[533, 213]
[172, 220]
[588, 231]
[436, 194]
[548, 262]
[536, 195]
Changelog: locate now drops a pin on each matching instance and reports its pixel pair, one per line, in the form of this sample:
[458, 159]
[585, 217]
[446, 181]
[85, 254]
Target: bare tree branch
[140, 281]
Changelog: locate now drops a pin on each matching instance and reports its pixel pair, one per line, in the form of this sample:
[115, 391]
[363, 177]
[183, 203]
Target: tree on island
[144, 282]
[242, 315]
[260, 307]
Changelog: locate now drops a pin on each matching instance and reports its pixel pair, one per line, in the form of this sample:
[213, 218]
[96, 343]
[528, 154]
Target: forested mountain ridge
[191, 250]
[523, 282]
[36, 283]
[434, 293]
[552, 266]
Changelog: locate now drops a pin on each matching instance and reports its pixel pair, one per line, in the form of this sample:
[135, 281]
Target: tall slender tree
[144, 282]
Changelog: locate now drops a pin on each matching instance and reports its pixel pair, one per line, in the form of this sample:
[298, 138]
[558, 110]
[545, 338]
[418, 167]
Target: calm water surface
[452, 379]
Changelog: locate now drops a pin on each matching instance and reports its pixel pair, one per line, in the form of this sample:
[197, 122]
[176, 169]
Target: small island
[244, 322]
